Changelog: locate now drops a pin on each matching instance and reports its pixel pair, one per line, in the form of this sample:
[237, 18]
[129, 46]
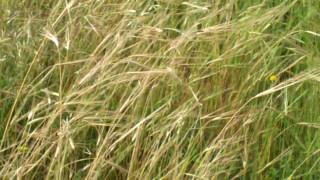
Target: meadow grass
[159, 89]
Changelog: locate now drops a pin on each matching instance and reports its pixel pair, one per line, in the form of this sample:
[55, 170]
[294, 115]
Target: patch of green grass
[157, 89]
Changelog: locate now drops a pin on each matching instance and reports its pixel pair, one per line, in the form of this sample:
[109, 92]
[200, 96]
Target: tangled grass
[159, 89]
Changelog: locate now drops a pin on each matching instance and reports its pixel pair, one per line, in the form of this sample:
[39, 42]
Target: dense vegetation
[159, 89]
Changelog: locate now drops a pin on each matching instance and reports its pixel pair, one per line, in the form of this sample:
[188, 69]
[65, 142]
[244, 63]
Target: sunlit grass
[154, 89]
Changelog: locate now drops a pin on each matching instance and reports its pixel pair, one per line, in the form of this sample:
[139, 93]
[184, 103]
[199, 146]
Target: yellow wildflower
[273, 78]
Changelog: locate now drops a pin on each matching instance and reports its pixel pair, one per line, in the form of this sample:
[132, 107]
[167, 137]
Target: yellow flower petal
[273, 78]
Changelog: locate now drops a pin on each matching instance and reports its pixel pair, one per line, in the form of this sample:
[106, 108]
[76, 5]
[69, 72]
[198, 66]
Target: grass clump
[114, 89]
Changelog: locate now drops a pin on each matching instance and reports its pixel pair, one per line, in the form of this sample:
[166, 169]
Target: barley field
[159, 89]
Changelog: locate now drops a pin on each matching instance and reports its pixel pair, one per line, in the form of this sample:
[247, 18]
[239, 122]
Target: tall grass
[159, 89]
